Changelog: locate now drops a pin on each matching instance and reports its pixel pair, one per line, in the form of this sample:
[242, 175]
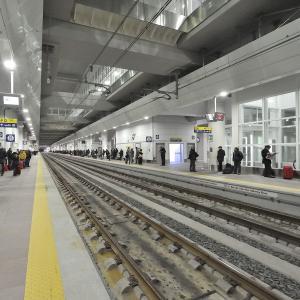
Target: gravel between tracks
[276, 280]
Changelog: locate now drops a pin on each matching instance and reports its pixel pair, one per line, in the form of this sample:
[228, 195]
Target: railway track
[227, 281]
[189, 198]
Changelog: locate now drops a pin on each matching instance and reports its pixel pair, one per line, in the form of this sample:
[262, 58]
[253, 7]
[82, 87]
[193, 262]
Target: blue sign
[8, 125]
[10, 138]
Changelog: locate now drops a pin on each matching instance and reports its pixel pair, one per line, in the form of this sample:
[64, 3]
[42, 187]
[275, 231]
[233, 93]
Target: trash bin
[288, 172]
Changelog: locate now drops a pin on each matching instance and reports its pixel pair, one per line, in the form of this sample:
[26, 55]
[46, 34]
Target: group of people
[14, 160]
[129, 157]
[237, 158]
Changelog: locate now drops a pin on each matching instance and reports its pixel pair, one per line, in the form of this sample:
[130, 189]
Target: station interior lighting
[25, 110]
[104, 130]
[28, 119]
[223, 94]
[114, 127]
[146, 118]
[127, 123]
[22, 96]
[10, 64]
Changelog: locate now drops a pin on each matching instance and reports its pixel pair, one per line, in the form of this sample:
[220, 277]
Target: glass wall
[274, 121]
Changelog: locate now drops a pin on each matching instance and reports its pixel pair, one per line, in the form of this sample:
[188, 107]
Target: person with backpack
[220, 158]
[140, 157]
[237, 158]
[266, 160]
[193, 157]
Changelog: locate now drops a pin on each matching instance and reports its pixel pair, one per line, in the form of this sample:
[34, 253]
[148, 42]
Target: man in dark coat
[193, 157]
[163, 155]
[266, 160]
[3, 156]
[237, 158]
[220, 158]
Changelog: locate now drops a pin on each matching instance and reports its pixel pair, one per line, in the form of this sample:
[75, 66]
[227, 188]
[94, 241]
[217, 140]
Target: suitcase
[21, 164]
[288, 172]
[17, 171]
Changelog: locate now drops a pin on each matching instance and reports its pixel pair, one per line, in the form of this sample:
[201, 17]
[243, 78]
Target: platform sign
[202, 129]
[10, 138]
[10, 100]
[149, 139]
[8, 122]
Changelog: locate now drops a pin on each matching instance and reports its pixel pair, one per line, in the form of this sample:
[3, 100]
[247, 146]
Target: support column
[217, 136]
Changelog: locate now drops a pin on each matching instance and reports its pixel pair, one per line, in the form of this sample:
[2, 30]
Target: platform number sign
[148, 139]
[10, 138]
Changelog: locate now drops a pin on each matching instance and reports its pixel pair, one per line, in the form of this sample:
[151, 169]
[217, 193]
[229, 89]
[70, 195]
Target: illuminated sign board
[203, 129]
[10, 100]
[8, 122]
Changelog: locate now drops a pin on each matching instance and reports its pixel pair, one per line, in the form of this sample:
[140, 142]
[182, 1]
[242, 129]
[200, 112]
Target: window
[270, 121]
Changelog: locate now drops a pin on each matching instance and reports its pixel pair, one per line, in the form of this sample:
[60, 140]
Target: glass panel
[252, 133]
[251, 111]
[288, 154]
[289, 134]
[281, 106]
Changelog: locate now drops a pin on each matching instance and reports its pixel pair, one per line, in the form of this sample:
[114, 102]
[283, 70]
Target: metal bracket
[167, 94]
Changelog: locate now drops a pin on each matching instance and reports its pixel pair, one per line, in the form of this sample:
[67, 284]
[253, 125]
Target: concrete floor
[16, 201]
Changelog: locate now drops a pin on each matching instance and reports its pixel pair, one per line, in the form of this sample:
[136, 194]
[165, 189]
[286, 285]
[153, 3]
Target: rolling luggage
[288, 172]
[21, 164]
[228, 169]
[17, 170]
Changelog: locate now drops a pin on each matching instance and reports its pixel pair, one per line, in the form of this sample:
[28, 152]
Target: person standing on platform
[193, 157]
[3, 156]
[121, 154]
[237, 158]
[9, 158]
[127, 156]
[136, 155]
[140, 157]
[163, 155]
[220, 158]
[266, 160]
[131, 155]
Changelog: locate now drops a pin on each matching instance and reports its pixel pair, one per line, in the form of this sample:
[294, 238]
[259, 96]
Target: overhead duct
[109, 21]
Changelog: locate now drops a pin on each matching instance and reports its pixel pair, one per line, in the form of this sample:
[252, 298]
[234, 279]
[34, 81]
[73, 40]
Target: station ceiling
[92, 66]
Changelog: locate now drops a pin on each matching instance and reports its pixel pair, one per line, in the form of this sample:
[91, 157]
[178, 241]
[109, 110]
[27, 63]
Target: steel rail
[144, 282]
[277, 233]
[215, 198]
[246, 281]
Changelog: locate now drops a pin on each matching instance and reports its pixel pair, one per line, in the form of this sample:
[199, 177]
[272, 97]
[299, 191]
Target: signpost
[8, 123]
[202, 129]
[10, 138]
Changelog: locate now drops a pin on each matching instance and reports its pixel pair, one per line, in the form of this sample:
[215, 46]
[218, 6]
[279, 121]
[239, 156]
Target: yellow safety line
[43, 279]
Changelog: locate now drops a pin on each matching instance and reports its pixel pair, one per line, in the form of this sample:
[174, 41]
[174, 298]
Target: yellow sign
[204, 129]
[8, 121]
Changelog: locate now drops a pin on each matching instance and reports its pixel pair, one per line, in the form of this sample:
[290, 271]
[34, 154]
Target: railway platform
[41, 253]
[252, 181]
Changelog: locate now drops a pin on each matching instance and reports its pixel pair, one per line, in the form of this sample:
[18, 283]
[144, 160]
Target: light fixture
[146, 118]
[114, 127]
[104, 130]
[28, 119]
[97, 132]
[10, 65]
[30, 124]
[223, 94]
[127, 123]
[25, 110]
[22, 96]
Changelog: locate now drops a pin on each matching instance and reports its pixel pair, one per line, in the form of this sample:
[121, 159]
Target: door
[157, 152]
[176, 153]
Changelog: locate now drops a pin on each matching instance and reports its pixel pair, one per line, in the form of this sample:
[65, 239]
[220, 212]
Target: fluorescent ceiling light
[25, 110]
[22, 96]
[127, 123]
[10, 65]
[104, 130]
[114, 127]
[146, 117]
[223, 94]
[28, 119]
